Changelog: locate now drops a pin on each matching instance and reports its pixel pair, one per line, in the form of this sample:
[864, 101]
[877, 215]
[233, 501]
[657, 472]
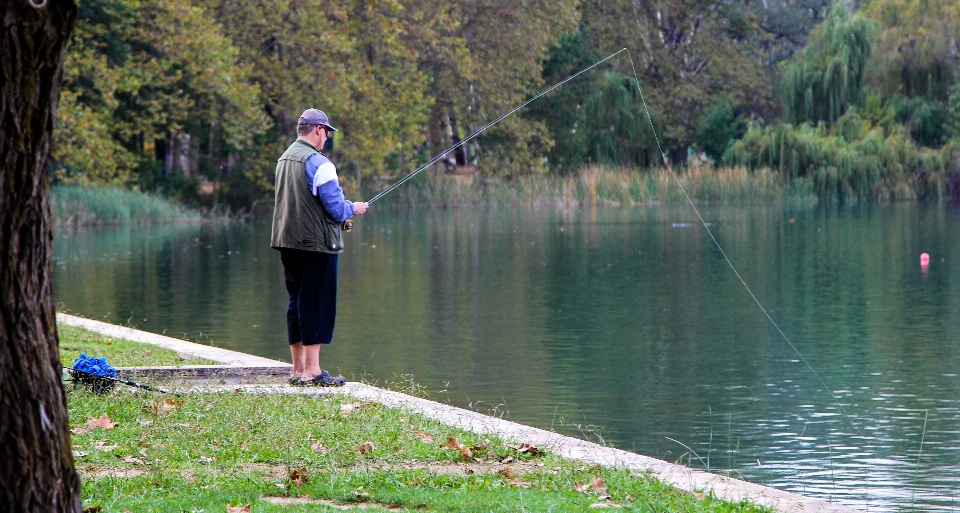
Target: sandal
[324, 379]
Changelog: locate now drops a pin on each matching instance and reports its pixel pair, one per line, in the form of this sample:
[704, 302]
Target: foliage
[140, 72]
[718, 127]
[619, 131]
[852, 161]
[916, 47]
[686, 52]
[828, 77]
[563, 110]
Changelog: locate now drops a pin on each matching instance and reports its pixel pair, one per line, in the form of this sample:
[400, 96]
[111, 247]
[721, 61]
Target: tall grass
[76, 205]
[604, 186]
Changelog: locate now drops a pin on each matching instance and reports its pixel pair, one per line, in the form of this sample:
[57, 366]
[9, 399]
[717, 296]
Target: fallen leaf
[505, 472]
[100, 445]
[102, 422]
[93, 509]
[425, 438]
[698, 495]
[465, 452]
[318, 447]
[183, 425]
[347, 409]
[530, 449]
[144, 422]
[205, 459]
[517, 483]
[131, 459]
[595, 485]
[238, 509]
[507, 459]
[366, 447]
[78, 431]
[143, 452]
[453, 443]
[164, 406]
[299, 476]
[483, 446]
[80, 454]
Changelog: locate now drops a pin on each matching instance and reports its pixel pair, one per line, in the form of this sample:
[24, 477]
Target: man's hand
[360, 208]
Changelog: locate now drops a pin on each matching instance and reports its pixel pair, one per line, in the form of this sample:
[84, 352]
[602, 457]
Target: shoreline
[677, 476]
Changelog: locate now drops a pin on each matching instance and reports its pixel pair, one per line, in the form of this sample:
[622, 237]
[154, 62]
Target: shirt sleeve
[322, 177]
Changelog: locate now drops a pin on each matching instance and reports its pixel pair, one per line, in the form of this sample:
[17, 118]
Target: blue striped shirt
[322, 178]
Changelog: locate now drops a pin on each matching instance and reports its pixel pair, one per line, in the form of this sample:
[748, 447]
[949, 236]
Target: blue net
[94, 365]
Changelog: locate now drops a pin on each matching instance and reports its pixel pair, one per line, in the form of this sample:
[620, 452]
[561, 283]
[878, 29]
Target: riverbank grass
[220, 451]
[118, 352]
[77, 205]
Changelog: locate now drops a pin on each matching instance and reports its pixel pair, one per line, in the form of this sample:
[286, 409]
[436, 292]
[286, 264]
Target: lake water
[621, 325]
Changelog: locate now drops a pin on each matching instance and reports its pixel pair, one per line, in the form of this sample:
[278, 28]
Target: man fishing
[307, 230]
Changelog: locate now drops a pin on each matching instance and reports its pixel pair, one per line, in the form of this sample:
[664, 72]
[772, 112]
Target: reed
[79, 205]
[596, 185]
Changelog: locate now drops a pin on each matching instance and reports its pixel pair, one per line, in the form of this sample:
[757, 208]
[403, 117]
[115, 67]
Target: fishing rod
[93, 377]
[348, 224]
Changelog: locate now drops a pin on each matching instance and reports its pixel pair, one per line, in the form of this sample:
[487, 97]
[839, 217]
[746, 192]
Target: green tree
[618, 129]
[828, 77]
[686, 52]
[142, 73]
[563, 110]
[719, 127]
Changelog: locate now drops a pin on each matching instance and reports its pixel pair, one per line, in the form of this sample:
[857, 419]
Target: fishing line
[722, 252]
[666, 162]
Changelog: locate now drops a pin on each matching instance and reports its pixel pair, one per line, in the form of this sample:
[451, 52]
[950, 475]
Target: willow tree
[618, 129]
[36, 465]
[828, 77]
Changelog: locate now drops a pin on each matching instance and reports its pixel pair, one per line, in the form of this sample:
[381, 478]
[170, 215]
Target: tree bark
[36, 465]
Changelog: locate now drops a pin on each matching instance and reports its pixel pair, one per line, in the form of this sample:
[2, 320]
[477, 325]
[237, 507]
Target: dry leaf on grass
[102, 422]
[347, 409]
[100, 445]
[365, 447]
[453, 443]
[144, 422]
[318, 447]
[78, 431]
[131, 459]
[483, 446]
[530, 449]
[238, 509]
[425, 438]
[80, 454]
[93, 509]
[507, 459]
[595, 485]
[517, 483]
[506, 473]
[205, 459]
[299, 477]
[165, 406]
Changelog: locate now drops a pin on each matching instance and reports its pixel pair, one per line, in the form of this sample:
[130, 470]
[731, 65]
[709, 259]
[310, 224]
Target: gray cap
[315, 117]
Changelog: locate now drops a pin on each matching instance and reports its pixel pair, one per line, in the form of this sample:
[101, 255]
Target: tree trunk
[36, 466]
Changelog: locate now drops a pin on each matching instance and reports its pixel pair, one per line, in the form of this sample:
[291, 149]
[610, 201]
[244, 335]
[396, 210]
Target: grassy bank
[142, 451]
[118, 352]
[75, 206]
[603, 186]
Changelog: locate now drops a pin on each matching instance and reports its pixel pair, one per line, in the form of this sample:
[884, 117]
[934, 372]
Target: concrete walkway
[681, 477]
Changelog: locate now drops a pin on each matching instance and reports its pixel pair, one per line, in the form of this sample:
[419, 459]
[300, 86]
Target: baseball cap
[315, 117]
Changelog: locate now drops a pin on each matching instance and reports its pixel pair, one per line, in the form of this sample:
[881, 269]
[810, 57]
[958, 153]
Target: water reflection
[624, 325]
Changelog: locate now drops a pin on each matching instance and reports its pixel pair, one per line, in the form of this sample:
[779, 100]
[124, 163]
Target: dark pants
[311, 279]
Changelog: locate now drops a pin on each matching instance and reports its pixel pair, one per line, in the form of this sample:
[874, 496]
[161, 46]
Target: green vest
[299, 220]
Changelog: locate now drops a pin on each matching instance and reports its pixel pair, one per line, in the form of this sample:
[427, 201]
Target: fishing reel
[348, 225]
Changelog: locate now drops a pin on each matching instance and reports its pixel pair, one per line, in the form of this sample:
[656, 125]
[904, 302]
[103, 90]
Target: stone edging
[678, 476]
